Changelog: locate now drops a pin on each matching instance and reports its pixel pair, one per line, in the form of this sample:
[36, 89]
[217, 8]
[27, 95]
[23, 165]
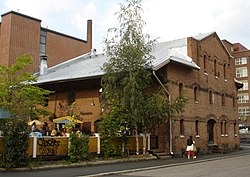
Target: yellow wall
[58, 146]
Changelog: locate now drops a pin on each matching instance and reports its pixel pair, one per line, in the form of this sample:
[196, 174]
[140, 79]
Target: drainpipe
[43, 65]
[170, 116]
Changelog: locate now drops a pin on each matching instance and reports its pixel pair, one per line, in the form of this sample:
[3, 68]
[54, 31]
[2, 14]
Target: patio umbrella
[66, 119]
[37, 122]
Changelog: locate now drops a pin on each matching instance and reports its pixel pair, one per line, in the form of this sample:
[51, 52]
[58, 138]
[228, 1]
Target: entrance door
[210, 131]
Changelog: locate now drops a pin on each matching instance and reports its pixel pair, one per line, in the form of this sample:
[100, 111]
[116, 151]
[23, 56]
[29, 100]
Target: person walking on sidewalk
[190, 147]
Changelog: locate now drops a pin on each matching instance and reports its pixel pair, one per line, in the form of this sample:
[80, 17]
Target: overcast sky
[165, 19]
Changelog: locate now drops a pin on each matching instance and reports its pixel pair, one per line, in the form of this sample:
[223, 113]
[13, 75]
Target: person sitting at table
[53, 132]
[63, 132]
[36, 132]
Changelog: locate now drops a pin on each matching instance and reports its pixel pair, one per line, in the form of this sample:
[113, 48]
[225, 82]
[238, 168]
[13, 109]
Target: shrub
[78, 149]
[16, 135]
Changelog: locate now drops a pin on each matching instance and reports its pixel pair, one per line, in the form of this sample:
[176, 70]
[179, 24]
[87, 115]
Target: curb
[81, 164]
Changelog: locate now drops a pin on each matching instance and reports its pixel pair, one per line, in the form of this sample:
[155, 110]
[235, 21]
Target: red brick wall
[202, 110]
[60, 48]
[87, 105]
[20, 34]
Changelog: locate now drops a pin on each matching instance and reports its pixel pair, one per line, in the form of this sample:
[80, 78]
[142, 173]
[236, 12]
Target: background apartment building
[21, 34]
[242, 72]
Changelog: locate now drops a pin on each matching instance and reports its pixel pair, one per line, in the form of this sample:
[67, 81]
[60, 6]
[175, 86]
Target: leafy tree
[23, 101]
[112, 128]
[128, 79]
[17, 94]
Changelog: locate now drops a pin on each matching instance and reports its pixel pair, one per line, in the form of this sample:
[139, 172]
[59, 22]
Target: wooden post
[148, 136]
[34, 146]
[137, 143]
[144, 142]
[98, 143]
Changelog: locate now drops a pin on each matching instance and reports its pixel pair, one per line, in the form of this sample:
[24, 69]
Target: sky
[165, 19]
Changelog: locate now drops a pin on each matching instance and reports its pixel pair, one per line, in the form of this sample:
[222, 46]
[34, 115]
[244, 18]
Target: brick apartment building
[242, 71]
[21, 34]
[200, 67]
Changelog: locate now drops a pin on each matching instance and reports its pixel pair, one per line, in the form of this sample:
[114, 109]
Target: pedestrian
[33, 127]
[190, 147]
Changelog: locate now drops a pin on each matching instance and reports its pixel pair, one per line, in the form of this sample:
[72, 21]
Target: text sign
[52, 146]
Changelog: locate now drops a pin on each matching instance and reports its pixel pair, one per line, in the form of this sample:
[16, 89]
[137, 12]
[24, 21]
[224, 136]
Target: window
[235, 134]
[243, 98]
[196, 127]
[224, 71]
[181, 127]
[241, 72]
[215, 68]
[234, 105]
[245, 85]
[211, 97]
[180, 89]
[86, 128]
[195, 94]
[244, 111]
[71, 97]
[223, 128]
[223, 100]
[241, 61]
[205, 62]
[43, 35]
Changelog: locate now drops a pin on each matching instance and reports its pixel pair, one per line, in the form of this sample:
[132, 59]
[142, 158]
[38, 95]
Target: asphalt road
[236, 166]
[139, 166]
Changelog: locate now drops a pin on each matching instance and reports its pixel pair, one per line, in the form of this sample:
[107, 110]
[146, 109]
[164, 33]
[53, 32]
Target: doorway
[210, 131]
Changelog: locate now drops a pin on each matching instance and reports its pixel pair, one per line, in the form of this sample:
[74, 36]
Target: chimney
[43, 65]
[89, 34]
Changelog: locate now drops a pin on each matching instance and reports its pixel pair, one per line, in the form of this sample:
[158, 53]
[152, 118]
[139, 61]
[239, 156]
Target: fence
[58, 146]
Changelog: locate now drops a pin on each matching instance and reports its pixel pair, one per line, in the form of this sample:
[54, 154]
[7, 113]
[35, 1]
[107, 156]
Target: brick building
[21, 34]
[199, 67]
[242, 71]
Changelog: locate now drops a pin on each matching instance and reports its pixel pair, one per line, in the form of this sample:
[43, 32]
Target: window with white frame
[243, 98]
[245, 85]
[243, 111]
[241, 61]
[241, 72]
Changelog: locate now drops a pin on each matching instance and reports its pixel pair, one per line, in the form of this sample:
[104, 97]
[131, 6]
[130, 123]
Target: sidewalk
[115, 166]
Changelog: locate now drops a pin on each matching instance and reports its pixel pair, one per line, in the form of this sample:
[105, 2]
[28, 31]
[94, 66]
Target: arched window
[223, 128]
[180, 89]
[224, 71]
[196, 127]
[234, 101]
[215, 68]
[195, 94]
[223, 100]
[181, 127]
[205, 62]
[235, 134]
[211, 97]
[71, 97]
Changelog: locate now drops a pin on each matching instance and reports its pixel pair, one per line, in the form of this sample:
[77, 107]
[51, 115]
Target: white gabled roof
[90, 66]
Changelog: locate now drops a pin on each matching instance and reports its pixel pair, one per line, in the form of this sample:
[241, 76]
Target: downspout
[170, 116]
